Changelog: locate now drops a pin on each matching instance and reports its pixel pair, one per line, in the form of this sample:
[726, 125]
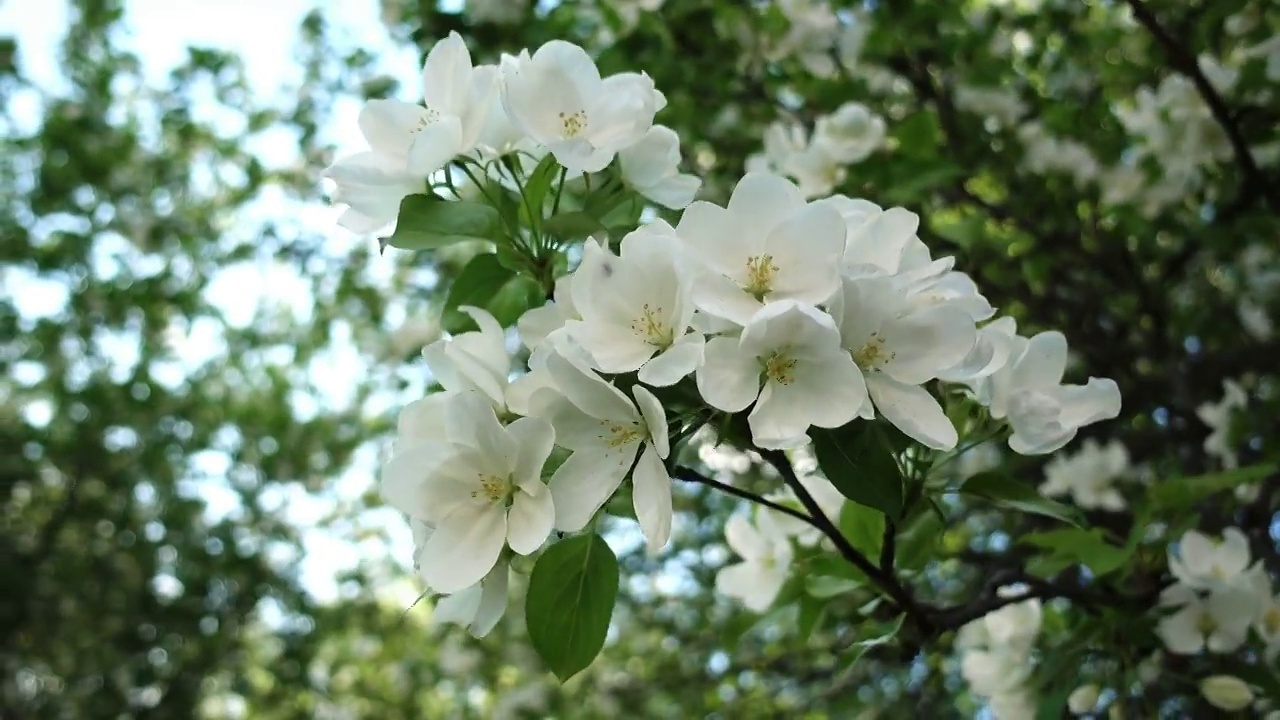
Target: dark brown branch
[887, 581]
[1184, 61]
[691, 475]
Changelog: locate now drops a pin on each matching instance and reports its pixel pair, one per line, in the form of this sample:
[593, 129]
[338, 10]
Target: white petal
[534, 439]
[806, 247]
[927, 342]
[460, 607]
[435, 145]
[614, 348]
[529, 521]
[446, 76]
[464, 547]
[651, 159]
[493, 600]
[762, 201]
[585, 482]
[589, 392]
[913, 411]
[675, 192]
[728, 378]
[721, 296]
[655, 419]
[1043, 362]
[672, 365]
[404, 477]
[652, 498]
[744, 538]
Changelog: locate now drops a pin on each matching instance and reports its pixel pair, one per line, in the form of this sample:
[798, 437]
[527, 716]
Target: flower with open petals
[558, 98]
[606, 431]
[476, 483]
[788, 361]
[1218, 621]
[652, 167]
[1205, 563]
[636, 308]
[766, 558]
[768, 244]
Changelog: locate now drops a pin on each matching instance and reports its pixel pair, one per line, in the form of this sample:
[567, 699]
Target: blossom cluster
[1088, 476]
[818, 163]
[1218, 597]
[797, 313]
[996, 656]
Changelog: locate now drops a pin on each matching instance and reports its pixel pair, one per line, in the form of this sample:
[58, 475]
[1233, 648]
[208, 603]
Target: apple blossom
[788, 361]
[830, 500]
[476, 360]
[606, 432]
[477, 484]
[1218, 417]
[1088, 476]
[766, 558]
[850, 134]
[1205, 563]
[1218, 621]
[768, 244]
[636, 308]
[897, 347]
[559, 99]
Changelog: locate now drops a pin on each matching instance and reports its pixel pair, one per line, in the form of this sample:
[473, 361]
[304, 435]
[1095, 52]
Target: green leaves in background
[427, 222]
[1002, 490]
[857, 460]
[864, 528]
[487, 283]
[1182, 493]
[571, 594]
[1070, 546]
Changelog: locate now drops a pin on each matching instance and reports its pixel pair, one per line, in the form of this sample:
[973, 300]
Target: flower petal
[655, 419]
[435, 145]
[584, 482]
[672, 365]
[464, 547]
[652, 498]
[493, 600]
[589, 392]
[1043, 362]
[529, 521]
[913, 411]
[534, 439]
[728, 378]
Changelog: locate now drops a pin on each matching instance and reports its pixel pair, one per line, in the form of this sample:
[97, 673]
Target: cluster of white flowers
[818, 164]
[1047, 153]
[1218, 597]
[1218, 416]
[996, 657]
[1089, 476]
[1001, 106]
[812, 31]
[799, 313]
[1259, 287]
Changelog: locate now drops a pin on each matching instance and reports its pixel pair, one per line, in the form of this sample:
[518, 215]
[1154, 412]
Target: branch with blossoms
[782, 324]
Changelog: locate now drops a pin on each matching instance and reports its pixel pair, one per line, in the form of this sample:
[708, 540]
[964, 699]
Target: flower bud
[1226, 692]
[1083, 699]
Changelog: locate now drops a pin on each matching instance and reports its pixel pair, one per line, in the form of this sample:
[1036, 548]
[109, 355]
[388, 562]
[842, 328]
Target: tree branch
[1184, 61]
[691, 475]
[887, 581]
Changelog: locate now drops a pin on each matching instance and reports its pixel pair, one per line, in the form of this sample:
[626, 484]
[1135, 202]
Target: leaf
[864, 528]
[427, 222]
[539, 181]
[572, 225]
[571, 594]
[486, 283]
[918, 539]
[1006, 492]
[887, 632]
[856, 459]
[829, 586]
[1086, 547]
[809, 616]
[1179, 493]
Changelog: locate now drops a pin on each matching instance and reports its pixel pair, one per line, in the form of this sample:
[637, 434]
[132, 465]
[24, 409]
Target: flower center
[873, 356]
[1271, 620]
[760, 270]
[493, 488]
[574, 124]
[621, 434]
[1206, 624]
[779, 367]
[1217, 572]
[426, 118]
[650, 327]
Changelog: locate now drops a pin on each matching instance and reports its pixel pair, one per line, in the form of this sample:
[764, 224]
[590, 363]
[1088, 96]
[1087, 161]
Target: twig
[1185, 62]
[691, 475]
[885, 580]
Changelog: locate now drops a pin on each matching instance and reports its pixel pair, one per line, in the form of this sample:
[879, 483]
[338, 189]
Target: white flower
[1226, 692]
[1218, 417]
[811, 35]
[1083, 699]
[1218, 621]
[652, 167]
[1015, 625]
[372, 186]
[898, 347]
[766, 558]
[996, 671]
[606, 431]
[849, 134]
[478, 607]
[1205, 563]
[636, 308]
[558, 97]
[789, 362]
[537, 324]
[1043, 413]
[477, 483]
[768, 244]
[476, 360]
[1001, 105]
[1088, 476]
[883, 242]
[991, 350]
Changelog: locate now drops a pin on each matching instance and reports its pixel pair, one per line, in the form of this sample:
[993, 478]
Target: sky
[158, 32]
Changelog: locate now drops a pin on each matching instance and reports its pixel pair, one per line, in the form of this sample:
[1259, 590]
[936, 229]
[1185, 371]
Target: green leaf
[538, 183]
[864, 528]
[857, 460]
[918, 539]
[885, 633]
[571, 594]
[809, 616]
[485, 282]
[1179, 493]
[1086, 547]
[829, 586]
[572, 225]
[1006, 492]
[427, 222]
